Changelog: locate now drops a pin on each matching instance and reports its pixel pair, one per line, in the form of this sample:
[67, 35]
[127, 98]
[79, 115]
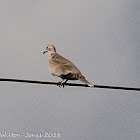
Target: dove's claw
[60, 84]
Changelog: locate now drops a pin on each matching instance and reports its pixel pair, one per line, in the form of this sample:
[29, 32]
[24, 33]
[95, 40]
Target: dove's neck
[51, 54]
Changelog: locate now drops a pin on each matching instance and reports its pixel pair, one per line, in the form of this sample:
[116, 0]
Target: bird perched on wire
[63, 68]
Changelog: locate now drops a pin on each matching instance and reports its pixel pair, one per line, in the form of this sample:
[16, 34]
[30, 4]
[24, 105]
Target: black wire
[67, 84]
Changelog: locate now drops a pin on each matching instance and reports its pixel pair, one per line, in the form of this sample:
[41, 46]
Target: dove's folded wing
[63, 66]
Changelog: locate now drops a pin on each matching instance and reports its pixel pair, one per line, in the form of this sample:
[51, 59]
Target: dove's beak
[45, 52]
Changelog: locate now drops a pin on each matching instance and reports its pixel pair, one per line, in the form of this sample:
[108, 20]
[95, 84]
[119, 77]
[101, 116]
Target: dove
[63, 68]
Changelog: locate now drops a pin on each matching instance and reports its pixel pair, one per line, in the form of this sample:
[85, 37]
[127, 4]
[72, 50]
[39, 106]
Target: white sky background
[101, 38]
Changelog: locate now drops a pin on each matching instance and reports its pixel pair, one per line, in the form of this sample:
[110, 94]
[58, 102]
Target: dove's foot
[61, 83]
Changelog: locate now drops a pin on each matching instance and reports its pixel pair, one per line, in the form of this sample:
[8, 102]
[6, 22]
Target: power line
[67, 84]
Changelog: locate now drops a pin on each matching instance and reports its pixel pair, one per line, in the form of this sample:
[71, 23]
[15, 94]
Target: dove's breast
[54, 68]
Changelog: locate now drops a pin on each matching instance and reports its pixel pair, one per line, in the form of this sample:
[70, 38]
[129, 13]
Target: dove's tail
[82, 79]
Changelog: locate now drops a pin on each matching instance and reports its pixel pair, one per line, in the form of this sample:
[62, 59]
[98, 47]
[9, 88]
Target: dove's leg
[61, 83]
[65, 81]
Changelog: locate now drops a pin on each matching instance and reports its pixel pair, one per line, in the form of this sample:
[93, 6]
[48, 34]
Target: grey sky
[101, 38]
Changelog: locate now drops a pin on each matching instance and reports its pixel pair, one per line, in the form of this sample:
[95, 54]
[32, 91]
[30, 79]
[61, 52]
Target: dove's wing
[61, 66]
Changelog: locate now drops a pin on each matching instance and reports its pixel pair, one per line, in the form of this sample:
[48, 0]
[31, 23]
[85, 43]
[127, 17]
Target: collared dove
[63, 68]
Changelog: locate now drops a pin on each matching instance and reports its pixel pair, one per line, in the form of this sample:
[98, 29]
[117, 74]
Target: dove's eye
[49, 49]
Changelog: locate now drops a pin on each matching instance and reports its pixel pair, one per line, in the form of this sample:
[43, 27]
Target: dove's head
[50, 49]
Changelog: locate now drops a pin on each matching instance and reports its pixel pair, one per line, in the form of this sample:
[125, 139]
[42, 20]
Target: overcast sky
[101, 38]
